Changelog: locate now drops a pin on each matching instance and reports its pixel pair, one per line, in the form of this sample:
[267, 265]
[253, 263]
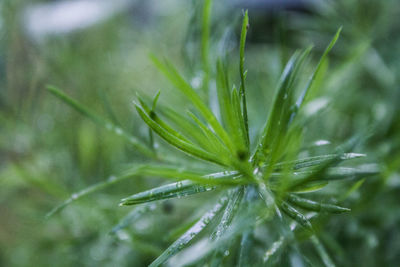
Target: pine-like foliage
[266, 188]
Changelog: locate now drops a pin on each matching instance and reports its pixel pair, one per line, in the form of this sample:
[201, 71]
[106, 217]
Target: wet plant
[271, 195]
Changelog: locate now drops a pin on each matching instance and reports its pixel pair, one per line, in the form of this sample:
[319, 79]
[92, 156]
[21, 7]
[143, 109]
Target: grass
[262, 184]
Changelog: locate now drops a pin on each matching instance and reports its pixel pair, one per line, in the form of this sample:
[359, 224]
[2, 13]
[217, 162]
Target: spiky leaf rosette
[259, 181]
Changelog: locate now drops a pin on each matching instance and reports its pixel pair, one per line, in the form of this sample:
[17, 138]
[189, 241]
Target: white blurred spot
[66, 16]
[321, 142]
[315, 106]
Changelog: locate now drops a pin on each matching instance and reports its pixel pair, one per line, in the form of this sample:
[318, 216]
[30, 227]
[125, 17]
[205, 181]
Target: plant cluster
[267, 193]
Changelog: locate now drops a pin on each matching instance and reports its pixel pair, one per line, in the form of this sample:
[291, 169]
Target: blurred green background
[48, 151]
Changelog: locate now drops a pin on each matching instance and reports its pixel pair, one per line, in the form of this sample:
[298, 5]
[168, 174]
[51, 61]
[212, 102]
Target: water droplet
[179, 185]
[74, 196]
[226, 253]
[197, 81]
[112, 178]
[322, 142]
[122, 235]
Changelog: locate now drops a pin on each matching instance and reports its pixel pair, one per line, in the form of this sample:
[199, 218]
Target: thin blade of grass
[189, 235]
[102, 122]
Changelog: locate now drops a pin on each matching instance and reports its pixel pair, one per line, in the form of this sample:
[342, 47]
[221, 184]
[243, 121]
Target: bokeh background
[97, 52]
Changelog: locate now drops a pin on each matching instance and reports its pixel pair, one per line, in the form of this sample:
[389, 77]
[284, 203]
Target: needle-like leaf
[189, 148]
[295, 215]
[317, 70]
[315, 206]
[177, 80]
[132, 216]
[317, 160]
[245, 27]
[181, 188]
[197, 228]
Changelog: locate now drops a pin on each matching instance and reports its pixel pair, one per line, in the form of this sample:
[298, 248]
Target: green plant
[258, 210]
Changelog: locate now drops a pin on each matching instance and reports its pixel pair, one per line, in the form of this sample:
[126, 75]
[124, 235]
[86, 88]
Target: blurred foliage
[48, 151]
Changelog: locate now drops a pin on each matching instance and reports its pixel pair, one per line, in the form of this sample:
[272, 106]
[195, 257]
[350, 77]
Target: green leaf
[321, 170]
[174, 190]
[172, 74]
[242, 91]
[317, 70]
[215, 144]
[153, 115]
[188, 148]
[315, 206]
[188, 128]
[197, 228]
[310, 187]
[230, 119]
[295, 215]
[224, 97]
[241, 130]
[227, 217]
[102, 122]
[219, 178]
[132, 216]
[181, 188]
[179, 173]
[246, 244]
[229, 212]
[316, 160]
[274, 123]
